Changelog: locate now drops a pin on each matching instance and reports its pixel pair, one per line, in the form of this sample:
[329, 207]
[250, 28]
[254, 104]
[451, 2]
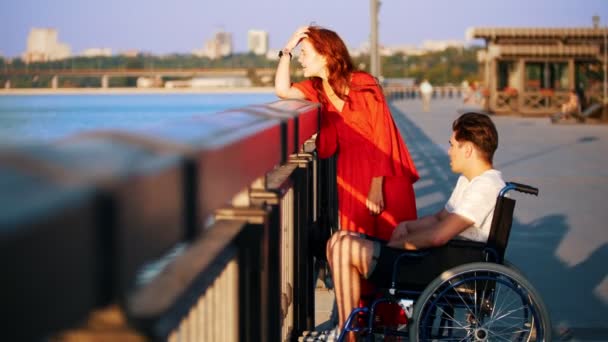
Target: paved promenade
[560, 239]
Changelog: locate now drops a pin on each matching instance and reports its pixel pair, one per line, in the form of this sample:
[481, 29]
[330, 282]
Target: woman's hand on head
[296, 37]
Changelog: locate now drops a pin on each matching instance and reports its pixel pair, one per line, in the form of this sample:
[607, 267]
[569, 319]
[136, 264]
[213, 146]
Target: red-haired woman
[375, 172]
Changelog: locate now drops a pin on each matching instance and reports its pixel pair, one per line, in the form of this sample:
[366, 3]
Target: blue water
[40, 118]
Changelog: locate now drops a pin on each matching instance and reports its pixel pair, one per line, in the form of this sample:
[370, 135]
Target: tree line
[450, 66]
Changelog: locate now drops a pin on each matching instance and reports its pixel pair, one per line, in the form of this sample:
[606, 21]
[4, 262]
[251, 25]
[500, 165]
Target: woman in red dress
[375, 173]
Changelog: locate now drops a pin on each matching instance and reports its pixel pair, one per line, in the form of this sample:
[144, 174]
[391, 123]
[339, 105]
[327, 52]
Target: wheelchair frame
[466, 301]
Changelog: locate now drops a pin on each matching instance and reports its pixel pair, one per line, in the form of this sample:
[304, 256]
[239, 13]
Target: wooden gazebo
[530, 70]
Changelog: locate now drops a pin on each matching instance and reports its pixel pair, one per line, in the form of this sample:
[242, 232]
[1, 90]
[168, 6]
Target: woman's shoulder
[363, 78]
[364, 82]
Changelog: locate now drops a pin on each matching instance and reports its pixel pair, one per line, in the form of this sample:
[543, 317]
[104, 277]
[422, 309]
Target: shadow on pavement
[532, 246]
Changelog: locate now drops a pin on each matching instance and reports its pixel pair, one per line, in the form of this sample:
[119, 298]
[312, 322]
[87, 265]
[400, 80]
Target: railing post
[255, 282]
[250, 283]
[271, 288]
[273, 276]
[303, 260]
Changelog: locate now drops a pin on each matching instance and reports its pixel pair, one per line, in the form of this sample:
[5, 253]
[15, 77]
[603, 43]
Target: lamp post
[373, 44]
[605, 62]
[596, 25]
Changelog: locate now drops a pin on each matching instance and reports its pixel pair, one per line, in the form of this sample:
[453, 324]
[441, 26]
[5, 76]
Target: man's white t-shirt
[475, 200]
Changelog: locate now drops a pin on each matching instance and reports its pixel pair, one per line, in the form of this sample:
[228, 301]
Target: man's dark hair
[478, 129]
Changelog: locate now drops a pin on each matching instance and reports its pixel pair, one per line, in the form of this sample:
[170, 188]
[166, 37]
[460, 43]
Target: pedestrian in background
[426, 91]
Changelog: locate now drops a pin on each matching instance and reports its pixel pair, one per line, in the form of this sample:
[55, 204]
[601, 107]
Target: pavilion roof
[548, 50]
[536, 32]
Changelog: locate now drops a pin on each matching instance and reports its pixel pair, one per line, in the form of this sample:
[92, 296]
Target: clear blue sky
[181, 26]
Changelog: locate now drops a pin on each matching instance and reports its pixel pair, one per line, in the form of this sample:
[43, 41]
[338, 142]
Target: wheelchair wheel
[480, 302]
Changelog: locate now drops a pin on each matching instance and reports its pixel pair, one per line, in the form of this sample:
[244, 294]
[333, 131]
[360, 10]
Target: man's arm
[427, 221]
[407, 227]
[447, 226]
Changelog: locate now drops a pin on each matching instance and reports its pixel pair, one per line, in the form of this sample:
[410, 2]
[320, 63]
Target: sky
[181, 26]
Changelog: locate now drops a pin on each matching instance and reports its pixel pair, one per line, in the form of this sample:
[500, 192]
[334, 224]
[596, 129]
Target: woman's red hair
[339, 64]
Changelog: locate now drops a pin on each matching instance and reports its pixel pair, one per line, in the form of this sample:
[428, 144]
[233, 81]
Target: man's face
[456, 152]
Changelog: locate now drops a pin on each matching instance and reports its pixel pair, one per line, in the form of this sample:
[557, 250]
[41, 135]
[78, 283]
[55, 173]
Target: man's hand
[375, 198]
[399, 235]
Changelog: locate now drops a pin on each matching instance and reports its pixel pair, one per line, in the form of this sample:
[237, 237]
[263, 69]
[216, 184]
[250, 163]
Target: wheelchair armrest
[466, 244]
[452, 243]
[490, 253]
[455, 251]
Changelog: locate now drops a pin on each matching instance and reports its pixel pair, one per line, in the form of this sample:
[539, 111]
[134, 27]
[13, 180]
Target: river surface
[41, 118]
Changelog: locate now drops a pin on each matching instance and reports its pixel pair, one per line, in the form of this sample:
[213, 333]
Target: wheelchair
[463, 291]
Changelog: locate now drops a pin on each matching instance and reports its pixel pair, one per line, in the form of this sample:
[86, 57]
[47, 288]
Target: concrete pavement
[560, 239]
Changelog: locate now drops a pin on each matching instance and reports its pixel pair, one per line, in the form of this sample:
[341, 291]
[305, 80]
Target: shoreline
[135, 91]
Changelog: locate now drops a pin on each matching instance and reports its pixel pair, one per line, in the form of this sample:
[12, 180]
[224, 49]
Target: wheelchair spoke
[475, 291]
[498, 309]
[501, 315]
[452, 318]
[499, 337]
[461, 298]
[506, 310]
[509, 335]
[483, 293]
[511, 330]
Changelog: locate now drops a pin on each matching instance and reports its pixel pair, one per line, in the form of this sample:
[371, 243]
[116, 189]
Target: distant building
[210, 82]
[257, 42]
[149, 82]
[409, 50]
[97, 52]
[130, 53]
[440, 45]
[227, 81]
[219, 46]
[43, 45]
[223, 43]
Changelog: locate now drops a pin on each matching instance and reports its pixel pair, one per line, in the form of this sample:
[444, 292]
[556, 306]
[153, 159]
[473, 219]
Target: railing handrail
[128, 199]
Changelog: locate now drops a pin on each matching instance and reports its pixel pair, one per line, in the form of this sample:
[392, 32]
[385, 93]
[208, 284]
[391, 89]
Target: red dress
[368, 145]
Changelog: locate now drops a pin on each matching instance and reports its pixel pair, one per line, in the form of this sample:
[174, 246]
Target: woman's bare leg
[349, 259]
[332, 241]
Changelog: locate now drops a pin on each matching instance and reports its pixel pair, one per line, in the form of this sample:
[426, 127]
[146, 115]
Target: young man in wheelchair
[467, 215]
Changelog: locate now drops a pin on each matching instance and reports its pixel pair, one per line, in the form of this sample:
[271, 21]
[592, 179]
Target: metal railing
[196, 231]
[395, 92]
[528, 102]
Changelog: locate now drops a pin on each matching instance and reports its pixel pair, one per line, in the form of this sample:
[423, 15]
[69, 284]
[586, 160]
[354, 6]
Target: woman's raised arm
[282, 79]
